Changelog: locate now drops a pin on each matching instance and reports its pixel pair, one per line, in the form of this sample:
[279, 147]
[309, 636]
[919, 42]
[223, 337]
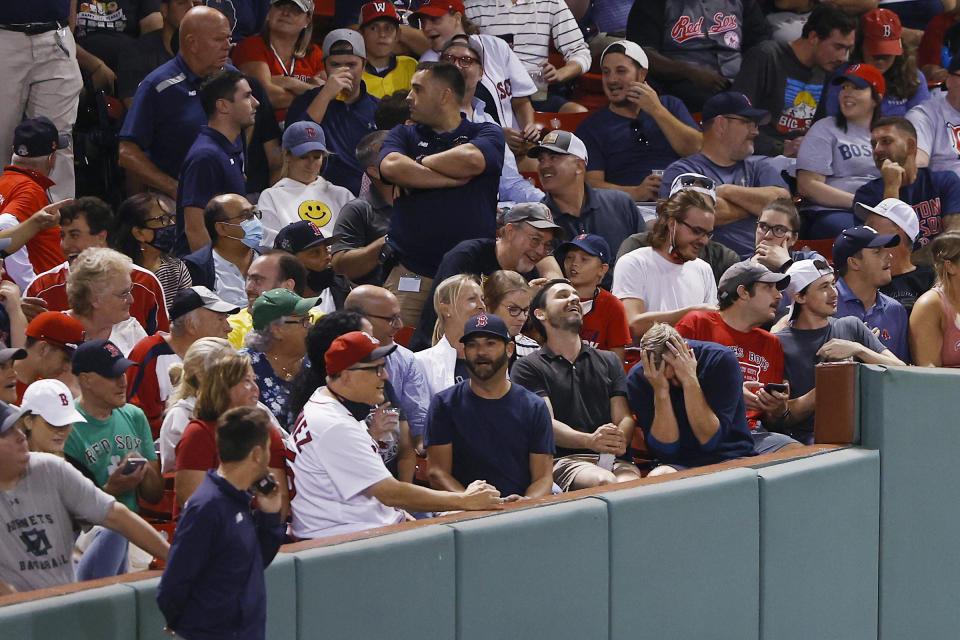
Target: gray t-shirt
[37, 518]
[844, 157]
[800, 348]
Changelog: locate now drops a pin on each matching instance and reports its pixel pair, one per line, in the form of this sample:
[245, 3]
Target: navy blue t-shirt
[344, 125]
[722, 383]
[246, 16]
[627, 155]
[426, 223]
[166, 115]
[932, 195]
[16, 12]
[492, 439]
[214, 165]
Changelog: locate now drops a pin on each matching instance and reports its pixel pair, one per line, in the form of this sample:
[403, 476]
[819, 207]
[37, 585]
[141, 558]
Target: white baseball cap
[803, 272]
[896, 211]
[52, 401]
[695, 182]
[630, 49]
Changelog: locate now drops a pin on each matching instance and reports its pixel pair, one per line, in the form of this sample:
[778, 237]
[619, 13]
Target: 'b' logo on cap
[481, 321]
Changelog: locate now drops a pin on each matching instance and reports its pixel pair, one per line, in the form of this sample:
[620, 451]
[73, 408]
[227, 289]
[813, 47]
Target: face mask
[320, 280]
[252, 232]
[164, 239]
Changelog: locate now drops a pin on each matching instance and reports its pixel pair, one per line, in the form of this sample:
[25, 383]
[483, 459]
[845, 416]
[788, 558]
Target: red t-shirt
[759, 352]
[143, 385]
[197, 449]
[148, 306]
[604, 322]
[254, 49]
[22, 194]
[932, 41]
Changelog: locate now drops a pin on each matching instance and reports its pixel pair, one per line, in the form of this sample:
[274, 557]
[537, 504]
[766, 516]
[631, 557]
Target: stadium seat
[163, 510]
[403, 336]
[823, 246]
[567, 121]
[532, 176]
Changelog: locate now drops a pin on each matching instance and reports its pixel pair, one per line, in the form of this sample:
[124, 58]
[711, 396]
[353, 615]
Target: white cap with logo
[896, 211]
[51, 400]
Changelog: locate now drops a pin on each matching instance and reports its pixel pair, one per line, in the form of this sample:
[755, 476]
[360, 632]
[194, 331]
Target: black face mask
[164, 239]
[320, 280]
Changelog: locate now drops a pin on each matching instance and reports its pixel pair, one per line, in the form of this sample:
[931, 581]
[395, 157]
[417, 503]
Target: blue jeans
[106, 556]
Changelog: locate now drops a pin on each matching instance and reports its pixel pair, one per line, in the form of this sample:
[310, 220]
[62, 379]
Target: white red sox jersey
[938, 132]
[331, 461]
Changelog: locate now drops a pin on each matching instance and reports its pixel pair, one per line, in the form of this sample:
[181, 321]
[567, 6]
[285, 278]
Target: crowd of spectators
[335, 255]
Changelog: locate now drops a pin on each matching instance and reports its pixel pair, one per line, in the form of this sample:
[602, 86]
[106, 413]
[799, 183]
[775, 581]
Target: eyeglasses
[464, 62]
[688, 182]
[516, 312]
[751, 124]
[637, 129]
[536, 242]
[126, 293]
[247, 214]
[396, 321]
[700, 231]
[778, 230]
[379, 368]
[166, 220]
[305, 321]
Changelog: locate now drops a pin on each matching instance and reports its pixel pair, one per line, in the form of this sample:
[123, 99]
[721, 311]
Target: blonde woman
[199, 358]
[456, 300]
[935, 319]
[228, 384]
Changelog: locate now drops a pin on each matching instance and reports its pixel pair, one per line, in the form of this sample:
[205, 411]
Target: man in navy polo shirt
[576, 206]
[638, 131]
[934, 195]
[863, 258]
[448, 170]
[342, 106]
[215, 163]
[166, 114]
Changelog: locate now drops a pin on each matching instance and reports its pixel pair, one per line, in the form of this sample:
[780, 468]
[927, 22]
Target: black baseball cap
[591, 243]
[300, 236]
[101, 357]
[37, 137]
[488, 324]
[733, 103]
[197, 297]
[852, 240]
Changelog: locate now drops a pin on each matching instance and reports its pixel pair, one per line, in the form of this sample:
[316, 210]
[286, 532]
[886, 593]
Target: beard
[566, 323]
[489, 368]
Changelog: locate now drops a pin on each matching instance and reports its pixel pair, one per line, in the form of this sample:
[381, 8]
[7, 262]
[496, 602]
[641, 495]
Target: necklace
[287, 373]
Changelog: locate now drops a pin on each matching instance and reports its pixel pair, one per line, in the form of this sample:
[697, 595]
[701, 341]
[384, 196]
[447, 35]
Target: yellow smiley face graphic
[316, 212]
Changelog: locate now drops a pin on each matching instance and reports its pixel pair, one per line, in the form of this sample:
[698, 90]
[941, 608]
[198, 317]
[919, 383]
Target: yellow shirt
[397, 78]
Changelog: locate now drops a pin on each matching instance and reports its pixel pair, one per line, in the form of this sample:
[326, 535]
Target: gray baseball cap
[536, 214]
[9, 414]
[746, 273]
[344, 41]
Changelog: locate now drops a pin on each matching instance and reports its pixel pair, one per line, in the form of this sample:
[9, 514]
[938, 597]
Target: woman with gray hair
[277, 346]
[100, 292]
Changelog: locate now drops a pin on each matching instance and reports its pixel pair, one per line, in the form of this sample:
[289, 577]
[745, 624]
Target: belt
[32, 28]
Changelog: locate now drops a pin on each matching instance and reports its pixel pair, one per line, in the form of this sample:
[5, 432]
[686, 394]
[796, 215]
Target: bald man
[409, 388]
[166, 114]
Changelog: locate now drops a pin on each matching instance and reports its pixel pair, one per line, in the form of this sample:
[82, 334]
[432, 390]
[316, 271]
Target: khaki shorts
[411, 302]
[565, 469]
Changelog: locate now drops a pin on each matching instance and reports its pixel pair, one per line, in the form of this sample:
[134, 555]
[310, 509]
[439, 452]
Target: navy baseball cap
[852, 240]
[302, 137]
[487, 324]
[733, 103]
[101, 357]
[591, 243]
[300, 236]
[37, 137]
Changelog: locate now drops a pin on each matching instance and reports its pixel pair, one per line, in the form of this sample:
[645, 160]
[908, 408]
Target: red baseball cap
[354, 347]
[57, 329]
[437, 8]
[863, 76]
[881, 33]
[376, 10]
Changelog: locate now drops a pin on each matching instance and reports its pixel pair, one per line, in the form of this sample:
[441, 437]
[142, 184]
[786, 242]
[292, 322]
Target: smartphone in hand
[132, 465]
[265, 485]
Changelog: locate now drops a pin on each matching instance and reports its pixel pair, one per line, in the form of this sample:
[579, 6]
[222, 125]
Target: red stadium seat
[532, 176]
[547, 122]
[824, 247]
[403, 336]
[163, 510]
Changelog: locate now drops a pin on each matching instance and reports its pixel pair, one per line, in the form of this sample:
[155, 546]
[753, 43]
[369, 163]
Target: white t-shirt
[439, 364]
[844, 157]
[36, 522]
[661, 284]
[334, 460]
[174, 423]
[290, 200]
[938, 130]
[504, 76]
[17, 264]
[127, 334]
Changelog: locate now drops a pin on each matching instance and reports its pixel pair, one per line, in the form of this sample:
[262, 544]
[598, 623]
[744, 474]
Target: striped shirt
[173, 276]
[533, 23]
